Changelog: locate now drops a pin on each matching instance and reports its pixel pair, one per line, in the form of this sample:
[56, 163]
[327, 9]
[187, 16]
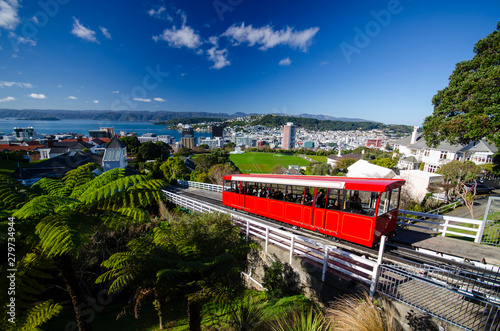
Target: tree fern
[98, 182]
[12, 194]
[63, 233]
[112, 188]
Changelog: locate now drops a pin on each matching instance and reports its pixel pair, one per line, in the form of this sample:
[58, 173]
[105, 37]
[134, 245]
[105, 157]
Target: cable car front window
[389, 200]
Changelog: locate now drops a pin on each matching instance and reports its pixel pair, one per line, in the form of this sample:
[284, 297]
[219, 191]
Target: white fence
[327, 256]
[446, 225]
[201, 186]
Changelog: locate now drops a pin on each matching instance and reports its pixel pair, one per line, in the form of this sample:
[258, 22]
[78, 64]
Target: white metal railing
[327, 256]
[201, 186]
[442, 223]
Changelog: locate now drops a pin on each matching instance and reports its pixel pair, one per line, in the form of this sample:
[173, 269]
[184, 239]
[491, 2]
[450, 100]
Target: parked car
[480, 188]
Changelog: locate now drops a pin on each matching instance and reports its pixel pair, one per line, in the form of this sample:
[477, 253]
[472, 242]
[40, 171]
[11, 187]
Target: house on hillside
[115, 155]
[414, 151]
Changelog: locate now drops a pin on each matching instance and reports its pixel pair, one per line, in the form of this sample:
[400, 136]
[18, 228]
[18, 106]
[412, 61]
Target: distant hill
[103, 115]
[163, 116]
[327, 118]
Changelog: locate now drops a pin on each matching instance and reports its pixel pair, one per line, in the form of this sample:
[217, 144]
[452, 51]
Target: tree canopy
[468, 109]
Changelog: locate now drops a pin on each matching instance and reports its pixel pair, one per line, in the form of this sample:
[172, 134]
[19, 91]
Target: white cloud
[285, 62]
[72, 97]
[324, 63]
[267, 37]
[9, 18]
[37, 96]
[16, 84]
[159, 100]
[82, 32]
[185, 37]
[105, 32]
[142, 100]
[59, 86]
[115, 92]
[95, 101]
[219, 58]
[21, 40]
[7, 99]
[158, 13]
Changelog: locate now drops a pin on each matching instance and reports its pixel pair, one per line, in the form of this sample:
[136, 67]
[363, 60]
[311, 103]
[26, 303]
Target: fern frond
[40, 314]
[52, 187]
[43, 205]
[79, 176]
[99, 181]
[63, 233]
[112, 188]
[125, 218]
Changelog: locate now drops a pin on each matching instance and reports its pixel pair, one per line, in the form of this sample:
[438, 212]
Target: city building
[217, 131]
[187, 131]
[479, 152]
[374, 143]
[148, 137]
[25, 133]
[308, 144]
[214, 143]
[289, 131]
[56, 148]
[104, 132]
[188, 142]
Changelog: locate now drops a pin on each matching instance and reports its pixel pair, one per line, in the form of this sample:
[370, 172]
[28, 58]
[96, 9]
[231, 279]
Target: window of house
[443, 155]
[432, 168]
[426, 152]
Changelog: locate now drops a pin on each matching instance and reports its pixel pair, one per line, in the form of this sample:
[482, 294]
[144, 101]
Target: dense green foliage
[468, 109]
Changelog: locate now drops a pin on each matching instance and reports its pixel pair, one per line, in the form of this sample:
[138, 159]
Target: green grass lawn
[261, 163]
[319, 158]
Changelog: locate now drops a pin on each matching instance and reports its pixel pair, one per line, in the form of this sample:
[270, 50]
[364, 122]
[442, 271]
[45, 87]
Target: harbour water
[83, 127]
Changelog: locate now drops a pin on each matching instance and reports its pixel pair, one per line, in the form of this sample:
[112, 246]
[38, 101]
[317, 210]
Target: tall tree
[468, 109]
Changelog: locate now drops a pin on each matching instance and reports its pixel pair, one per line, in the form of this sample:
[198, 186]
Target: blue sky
[376, 60]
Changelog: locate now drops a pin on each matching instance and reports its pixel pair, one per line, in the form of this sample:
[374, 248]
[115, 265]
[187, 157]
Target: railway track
[481, 280]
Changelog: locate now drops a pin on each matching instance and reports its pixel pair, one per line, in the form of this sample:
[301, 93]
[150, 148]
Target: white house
[364, 168]
[418, 182]
[115, 155]
[414, 151]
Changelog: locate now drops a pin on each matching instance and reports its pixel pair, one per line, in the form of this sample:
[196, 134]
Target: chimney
[50, 142]
[79, 138]
[414, 135]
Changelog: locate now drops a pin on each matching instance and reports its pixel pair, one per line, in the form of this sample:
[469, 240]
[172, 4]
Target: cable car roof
[348, 183]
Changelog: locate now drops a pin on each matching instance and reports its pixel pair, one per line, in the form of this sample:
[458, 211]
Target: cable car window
[321, 198]
[335, 199]
[388, 201]
[359, 202]
[308, 197]
[228, 186]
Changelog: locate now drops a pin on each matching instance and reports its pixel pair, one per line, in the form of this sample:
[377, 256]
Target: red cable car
[359, 210]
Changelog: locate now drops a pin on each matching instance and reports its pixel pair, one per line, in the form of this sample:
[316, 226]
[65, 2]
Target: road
[479, 207]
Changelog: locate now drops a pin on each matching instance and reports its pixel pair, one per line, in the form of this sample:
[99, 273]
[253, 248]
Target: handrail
[329, 256]
[442, 224]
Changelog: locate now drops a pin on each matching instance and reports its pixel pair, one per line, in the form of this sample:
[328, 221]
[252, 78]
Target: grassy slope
[263, 162]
